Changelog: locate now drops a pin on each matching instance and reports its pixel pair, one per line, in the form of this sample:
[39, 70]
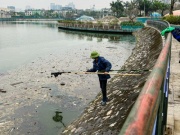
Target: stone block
[170, 120]
[170, 109]
[177, 126]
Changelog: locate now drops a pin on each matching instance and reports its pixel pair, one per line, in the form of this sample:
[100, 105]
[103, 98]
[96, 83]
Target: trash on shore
[13, 84]
[2, 91]
[62, 83]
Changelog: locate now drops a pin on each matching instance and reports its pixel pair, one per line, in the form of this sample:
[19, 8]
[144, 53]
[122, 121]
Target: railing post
[166, 91]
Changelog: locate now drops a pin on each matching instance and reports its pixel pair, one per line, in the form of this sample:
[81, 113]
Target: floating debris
[13, 84]
[108, 113]
[2, 91]
[62, 83]
[112, 124]
[45, 87]
[112, 47]
[3, 74]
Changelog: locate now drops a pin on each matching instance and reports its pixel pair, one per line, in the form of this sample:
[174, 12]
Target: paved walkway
[173, 118]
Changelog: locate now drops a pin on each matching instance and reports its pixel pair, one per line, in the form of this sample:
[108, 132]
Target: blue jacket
[102, 65]
[176, 34]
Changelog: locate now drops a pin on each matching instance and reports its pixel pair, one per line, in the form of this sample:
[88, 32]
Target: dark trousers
[103, 84]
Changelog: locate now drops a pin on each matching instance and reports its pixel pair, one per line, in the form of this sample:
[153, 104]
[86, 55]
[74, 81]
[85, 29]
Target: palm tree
[117, 8]
[126, 4]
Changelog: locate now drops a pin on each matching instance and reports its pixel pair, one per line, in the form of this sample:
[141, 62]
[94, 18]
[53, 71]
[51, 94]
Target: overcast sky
[39, 4]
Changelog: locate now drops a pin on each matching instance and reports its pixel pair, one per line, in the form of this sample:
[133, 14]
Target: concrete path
[173, 118]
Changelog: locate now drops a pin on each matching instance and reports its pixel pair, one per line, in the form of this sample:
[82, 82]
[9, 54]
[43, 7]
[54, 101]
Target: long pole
[98, 73]
[55, 74]
[132, 70]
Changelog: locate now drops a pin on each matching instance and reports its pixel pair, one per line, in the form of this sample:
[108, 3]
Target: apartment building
[32, 12]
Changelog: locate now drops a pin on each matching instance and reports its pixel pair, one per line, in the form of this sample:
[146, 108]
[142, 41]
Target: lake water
[29, 51]
[21, 42]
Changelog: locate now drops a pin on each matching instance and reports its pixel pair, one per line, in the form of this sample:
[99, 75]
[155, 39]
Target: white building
[5, 13]
[28, 13]
[177, 5]
[105, 12]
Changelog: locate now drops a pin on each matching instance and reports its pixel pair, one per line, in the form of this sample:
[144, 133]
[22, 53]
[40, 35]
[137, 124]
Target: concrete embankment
[122, 90]
[96, 30]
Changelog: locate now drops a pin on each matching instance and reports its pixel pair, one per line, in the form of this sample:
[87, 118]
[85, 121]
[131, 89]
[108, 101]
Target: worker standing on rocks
[102, 65]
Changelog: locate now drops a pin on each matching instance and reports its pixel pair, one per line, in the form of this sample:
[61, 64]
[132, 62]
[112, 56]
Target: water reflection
[51, 24]
[58, 117]
[116, 38]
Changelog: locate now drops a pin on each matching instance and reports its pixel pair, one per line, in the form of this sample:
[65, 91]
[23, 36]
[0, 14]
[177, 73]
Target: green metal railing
[149, 113]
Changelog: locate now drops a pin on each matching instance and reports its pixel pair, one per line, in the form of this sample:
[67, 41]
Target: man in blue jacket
[102, 65]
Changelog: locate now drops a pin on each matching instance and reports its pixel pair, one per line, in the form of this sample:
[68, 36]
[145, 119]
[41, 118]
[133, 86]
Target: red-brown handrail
[141, 119]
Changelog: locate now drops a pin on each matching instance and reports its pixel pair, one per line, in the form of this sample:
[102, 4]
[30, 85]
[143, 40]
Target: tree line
[136, 7]
[118, 8]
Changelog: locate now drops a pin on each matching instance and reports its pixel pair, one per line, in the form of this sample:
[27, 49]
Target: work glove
[176, 34]
[169, 29]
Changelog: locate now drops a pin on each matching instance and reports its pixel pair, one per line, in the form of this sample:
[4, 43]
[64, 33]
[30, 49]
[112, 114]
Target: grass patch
[172, 19]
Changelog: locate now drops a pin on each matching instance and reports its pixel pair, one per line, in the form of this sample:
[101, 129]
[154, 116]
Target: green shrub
[172, 19]
[67, 21]
[89, 23]
[60, 21]
[129, 23]
[99, 23]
